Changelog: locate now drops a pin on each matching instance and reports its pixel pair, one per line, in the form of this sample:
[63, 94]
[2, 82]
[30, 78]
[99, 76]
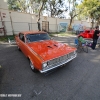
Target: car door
[22, 44]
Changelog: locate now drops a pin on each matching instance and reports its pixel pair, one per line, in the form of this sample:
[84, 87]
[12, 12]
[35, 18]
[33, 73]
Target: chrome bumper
[71, 58]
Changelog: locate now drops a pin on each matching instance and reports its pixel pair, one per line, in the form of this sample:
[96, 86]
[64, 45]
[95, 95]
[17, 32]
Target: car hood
[50, 49]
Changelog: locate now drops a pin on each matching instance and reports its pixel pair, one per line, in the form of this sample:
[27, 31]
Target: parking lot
[77, 80]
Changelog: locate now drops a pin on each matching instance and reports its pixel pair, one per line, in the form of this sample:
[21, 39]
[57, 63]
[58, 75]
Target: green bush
[5, 38]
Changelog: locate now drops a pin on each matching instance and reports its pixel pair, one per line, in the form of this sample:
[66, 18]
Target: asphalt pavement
[77, 80]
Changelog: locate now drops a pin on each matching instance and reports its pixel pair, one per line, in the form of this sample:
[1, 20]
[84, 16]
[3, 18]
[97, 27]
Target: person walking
[95, 37]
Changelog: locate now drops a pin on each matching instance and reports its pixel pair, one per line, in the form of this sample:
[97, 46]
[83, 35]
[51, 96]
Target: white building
[13, 22]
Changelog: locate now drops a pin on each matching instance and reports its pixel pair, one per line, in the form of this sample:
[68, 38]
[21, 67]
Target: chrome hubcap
[31, 65]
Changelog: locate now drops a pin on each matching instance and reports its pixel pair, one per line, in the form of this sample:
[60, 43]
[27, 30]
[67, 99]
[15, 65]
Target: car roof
[32, 32]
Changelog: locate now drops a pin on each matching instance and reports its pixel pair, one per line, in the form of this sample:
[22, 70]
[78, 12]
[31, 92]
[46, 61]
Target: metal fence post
[29, 26]
[11, 23]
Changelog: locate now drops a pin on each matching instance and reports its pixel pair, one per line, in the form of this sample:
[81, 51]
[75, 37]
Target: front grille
[58, 61]
[54, 63]
[70, 54]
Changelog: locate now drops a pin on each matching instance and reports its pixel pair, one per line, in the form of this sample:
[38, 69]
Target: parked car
[87, 34]
[44, 54]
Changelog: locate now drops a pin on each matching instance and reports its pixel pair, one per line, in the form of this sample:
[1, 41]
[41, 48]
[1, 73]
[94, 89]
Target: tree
[27, 6]
[23, 5]
[91, 9]
[56, 8]
[13, 5]
[97, 15]
[42, 4]
[73, 11]
[18, 5]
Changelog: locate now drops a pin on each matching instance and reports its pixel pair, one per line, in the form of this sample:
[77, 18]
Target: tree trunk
[69, 27]
[92, 23]
[38, 22]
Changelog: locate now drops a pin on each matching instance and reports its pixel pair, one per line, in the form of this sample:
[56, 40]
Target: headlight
[44, 65]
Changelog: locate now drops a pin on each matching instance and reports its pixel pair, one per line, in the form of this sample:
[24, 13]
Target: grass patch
[62, 34]
[5, 38]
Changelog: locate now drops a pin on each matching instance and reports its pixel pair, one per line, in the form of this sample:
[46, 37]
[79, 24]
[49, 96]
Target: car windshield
[37, 37]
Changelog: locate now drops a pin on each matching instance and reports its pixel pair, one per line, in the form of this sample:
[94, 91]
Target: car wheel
[32, 66]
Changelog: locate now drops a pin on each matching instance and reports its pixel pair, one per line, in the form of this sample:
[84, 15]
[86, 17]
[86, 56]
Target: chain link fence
[12, 28]
[16, 27]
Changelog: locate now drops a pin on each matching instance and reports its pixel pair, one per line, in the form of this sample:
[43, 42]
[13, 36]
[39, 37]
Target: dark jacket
[95, 34]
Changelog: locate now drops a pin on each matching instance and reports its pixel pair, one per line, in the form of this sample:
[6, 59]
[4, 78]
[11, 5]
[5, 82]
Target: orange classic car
[44, 54]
